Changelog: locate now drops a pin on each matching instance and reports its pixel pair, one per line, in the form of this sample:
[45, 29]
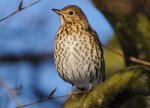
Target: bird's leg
[88, 90]
[90, 87]
[70, 92]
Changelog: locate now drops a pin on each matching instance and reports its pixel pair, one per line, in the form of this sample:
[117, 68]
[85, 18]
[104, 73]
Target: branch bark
[131, 21]
[115, 90]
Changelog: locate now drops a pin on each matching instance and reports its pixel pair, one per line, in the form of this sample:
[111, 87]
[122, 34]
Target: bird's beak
[57, 11]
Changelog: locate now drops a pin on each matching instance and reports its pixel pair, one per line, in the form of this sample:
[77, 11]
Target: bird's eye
[70, 12]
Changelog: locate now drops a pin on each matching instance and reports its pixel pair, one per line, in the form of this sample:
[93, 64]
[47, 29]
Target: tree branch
[45, 99]
[131, 21]
[115, 90]
[11, 91]
[133, 59]
[20, 8]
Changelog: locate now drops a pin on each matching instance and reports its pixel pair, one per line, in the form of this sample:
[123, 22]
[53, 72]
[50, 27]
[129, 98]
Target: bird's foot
[74, 93]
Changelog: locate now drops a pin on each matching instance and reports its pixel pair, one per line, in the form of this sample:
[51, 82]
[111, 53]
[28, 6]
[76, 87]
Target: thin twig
[133, 59]
[20, 8]
[20, 5]
[11, 91]
[46, 99]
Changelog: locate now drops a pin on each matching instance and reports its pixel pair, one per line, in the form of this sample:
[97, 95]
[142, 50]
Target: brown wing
[102, 56]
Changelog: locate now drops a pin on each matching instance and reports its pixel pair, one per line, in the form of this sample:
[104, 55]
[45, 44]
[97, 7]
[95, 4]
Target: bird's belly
[76, 63]
[78, 70]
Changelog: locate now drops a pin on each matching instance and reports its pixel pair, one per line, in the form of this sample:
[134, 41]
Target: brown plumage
[78, 52]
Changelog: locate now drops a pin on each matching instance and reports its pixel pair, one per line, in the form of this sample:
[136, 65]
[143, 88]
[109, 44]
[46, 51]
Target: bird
[78, 52]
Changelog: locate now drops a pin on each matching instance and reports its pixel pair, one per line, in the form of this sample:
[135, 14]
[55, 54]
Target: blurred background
[26, 51]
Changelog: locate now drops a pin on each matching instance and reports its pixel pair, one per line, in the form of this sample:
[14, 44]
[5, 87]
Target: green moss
[143, 25]
[109, 93]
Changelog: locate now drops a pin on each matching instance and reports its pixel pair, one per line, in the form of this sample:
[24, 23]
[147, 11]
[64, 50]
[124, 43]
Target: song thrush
[78, 52]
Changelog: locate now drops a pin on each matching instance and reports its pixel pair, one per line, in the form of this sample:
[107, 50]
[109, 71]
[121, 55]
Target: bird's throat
[62, 19]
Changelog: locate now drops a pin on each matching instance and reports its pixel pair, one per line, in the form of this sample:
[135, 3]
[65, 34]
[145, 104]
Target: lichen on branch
[115, 90]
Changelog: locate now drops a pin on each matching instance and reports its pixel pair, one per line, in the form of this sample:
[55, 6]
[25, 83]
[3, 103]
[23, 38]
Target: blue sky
[33, 31]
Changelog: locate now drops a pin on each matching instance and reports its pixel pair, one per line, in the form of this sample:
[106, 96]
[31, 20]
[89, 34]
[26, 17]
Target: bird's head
[71, 13]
